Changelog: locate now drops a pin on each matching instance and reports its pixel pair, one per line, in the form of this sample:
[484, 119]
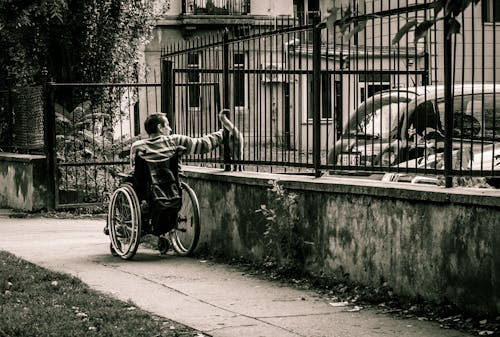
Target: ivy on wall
[74, 40]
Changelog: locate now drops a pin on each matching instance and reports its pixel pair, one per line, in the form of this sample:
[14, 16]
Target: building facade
[271, 78]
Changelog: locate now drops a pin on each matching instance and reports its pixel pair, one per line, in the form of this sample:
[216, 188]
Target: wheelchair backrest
[149, 174]
[157, 172]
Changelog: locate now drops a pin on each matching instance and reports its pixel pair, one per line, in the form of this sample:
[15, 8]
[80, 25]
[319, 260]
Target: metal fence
[308, 100]
[216, 7]
[312, 99]
[91, 127]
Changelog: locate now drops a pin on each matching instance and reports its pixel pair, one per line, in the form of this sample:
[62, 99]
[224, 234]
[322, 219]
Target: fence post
[10, 135]
[316, 95]
[448, 106]
[225, 95]
[167, 91]
[50, 143]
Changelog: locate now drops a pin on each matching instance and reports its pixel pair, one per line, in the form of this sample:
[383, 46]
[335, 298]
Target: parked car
[405, 127]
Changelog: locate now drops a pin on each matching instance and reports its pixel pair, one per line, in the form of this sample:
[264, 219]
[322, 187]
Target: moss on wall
[427, 242]
[22, 182]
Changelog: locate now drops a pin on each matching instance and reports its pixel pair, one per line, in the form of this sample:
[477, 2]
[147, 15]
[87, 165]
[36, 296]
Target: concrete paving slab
[216, 299]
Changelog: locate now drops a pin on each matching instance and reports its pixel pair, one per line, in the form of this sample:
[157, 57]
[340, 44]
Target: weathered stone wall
[422, 240]
[23, 181]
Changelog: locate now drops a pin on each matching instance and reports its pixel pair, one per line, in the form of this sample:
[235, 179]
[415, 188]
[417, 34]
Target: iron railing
[90, 127]
[308, 98]
[216, 7]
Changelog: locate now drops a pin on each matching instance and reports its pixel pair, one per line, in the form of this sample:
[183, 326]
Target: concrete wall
[422, 240]
[23, 181]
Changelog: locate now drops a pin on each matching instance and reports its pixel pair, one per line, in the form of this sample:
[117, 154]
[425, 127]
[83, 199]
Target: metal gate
[90, 128]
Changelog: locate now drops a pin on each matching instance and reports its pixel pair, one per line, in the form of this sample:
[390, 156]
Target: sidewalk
[213, 298]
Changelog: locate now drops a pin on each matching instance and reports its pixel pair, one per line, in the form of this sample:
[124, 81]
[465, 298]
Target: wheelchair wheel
[186, 234]
[124, 222]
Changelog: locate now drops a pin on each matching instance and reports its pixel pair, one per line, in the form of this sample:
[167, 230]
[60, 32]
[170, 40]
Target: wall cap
[358, 186]
[16, 157]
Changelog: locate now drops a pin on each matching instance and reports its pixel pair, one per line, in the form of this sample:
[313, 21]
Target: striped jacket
[162, 147]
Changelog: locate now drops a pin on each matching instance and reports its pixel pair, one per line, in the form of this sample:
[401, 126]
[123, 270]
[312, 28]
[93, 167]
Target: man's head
[157, 123]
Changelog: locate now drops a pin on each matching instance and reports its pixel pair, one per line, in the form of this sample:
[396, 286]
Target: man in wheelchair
[155, 165]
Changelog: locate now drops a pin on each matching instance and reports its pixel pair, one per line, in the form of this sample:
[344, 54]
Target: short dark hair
[151, 123]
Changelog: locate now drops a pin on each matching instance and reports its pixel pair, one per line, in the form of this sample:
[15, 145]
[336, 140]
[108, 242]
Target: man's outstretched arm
[200, 145]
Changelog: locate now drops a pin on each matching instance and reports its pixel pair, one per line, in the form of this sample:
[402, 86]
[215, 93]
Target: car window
[465, 116]
[379, 114]
[475, 116]
[424, 118]
[380, 122]
[491, 117]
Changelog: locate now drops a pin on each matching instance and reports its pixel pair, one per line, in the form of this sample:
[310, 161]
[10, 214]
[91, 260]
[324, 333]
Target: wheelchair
[153, 200]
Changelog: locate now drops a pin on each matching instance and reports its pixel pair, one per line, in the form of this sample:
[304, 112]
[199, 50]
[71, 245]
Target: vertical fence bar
[448, 114]
[10, 114]
[316, 57]
[225, 94]
[50, 143]
[167, 91]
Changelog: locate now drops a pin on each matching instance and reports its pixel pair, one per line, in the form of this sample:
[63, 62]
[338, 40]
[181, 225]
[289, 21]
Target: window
[491, 116]
[372, 83]
[379, 115]
[476, 116]
[425, 119]
[137, 117]
[338, 107]
[239, 80]
[491, 11]
[326, 96]
[193, 81]
[369, 89]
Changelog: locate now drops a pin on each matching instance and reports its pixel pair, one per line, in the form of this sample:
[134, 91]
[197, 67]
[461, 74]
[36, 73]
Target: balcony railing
[217, 7]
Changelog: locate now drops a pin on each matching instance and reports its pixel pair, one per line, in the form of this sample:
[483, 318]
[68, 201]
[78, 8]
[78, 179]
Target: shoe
[144, 207]
[163, 245]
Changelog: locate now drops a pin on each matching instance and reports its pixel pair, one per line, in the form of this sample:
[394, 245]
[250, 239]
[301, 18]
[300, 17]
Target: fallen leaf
[355, 309]
[338, 304]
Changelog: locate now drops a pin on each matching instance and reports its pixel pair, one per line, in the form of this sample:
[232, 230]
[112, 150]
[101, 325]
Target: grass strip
[38, 302]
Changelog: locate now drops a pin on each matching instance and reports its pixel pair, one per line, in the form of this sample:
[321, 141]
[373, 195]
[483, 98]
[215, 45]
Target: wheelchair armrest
[123, 177]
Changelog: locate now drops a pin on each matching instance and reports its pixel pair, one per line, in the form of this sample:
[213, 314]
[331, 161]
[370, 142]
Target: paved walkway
[213, 298]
